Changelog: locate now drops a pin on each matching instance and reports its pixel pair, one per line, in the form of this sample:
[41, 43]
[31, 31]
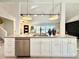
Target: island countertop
[66, 36]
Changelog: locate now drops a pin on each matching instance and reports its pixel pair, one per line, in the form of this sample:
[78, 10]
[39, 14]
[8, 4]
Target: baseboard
[10, 56]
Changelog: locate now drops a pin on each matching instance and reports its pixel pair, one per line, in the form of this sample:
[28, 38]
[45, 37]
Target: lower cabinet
[53, 47]
[69, 47]
[35, 47]
[9, 47]
[45, 47]
[64, 47]
[56, 47]
[72, 47]
[40, 47]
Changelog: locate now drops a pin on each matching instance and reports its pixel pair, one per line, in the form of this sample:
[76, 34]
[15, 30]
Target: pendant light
[54, 16]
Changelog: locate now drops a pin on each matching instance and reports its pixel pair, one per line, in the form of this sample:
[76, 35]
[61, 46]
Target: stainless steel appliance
[22, 46]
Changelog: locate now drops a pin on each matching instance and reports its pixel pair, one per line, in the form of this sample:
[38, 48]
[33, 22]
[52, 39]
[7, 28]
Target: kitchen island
[43, 46]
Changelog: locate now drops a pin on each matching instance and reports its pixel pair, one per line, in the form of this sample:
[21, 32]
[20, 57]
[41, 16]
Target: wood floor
[2, 55]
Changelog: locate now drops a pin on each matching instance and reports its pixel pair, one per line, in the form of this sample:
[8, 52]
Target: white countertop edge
[40, 37]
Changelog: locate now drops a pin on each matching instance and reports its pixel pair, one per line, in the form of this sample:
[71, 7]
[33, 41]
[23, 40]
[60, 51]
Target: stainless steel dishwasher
[22, 46]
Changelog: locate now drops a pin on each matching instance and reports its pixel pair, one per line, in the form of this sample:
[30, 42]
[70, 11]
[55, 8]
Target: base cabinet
[9, 47]
[72, 47]
[64, 45]
[45, 47]
[40, 47]
[56, 47]
[35, 47]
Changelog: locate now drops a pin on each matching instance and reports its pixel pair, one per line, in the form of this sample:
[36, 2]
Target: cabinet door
[45, 47]
[64, 47]
[19, 47]
[9, 47]
[72, 47]
[56, 47]
[34, 46]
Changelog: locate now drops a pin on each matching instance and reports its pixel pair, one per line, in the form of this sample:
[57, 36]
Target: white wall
[3, 32]
[75, 18]
[4, 13]
[8, 26]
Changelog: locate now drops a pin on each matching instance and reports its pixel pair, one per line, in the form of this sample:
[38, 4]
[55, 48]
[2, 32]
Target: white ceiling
[56, 1]
[72, 10]
[8, 10]
[12, 7]
[41, 8]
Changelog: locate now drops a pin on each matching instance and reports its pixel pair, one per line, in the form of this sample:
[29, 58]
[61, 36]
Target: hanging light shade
[26, 17]
[54, 17]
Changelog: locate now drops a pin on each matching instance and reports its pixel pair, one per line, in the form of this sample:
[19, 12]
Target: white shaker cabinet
[40, 47]
[64, 46]
[55, 47]
[9, 47]
[35, 47]
[72, 47]
[68, 47]
[45, 47]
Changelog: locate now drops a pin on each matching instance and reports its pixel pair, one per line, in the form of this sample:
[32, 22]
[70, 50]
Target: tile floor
[2, 55]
